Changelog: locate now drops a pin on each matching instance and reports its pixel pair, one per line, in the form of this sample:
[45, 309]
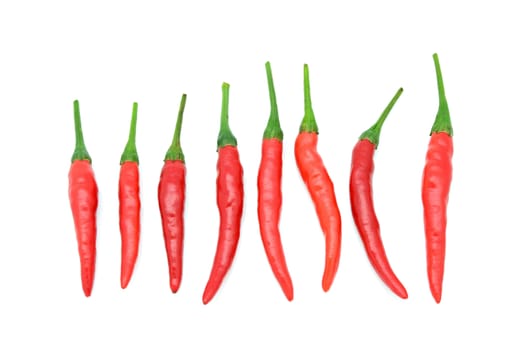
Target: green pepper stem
[374, 132]
[273, 127]
[442, 122]
[308, 123]
[175, 149]
[80, 152]
[130, 151]
[225, 134]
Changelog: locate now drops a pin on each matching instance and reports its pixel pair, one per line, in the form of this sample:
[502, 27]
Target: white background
[108, 54]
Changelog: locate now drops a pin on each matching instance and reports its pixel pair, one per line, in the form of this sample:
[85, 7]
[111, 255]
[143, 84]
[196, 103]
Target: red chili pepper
[437, 176]
[363, 205]
[83, 197]
[230, 197]
[269, 194]
[129, 204]
[171, 195]
[320, 186]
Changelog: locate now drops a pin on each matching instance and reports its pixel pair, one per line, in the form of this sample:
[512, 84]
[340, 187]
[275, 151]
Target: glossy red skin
[321, 189]
[363, 212]
[230, 198]
[83, 197]
[437, 176]
[129, 219]
[171, 196]
[269, 211]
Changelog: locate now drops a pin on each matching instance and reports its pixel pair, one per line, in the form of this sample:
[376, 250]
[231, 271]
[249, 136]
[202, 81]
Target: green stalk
[130, 151]
[273, 128]
[175, 150]
[442, 122]
[225, 134]
[308, 123]
[373, 133]
[80, 152]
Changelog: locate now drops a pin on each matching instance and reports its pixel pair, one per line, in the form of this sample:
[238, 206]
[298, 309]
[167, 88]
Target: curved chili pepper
[83, 197]
[171, 195]
[437, 176]
[129, 204]
[362, 203]
[230, 198]
[270, 195]
[320, 186]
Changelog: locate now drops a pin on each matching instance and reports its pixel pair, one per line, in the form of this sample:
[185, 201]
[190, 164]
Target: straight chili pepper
[270, 195]
[230, 198]
[83, 197]
[171, 195]
[362, 204]
[129, 204]
[320, 186]
[437, 176]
